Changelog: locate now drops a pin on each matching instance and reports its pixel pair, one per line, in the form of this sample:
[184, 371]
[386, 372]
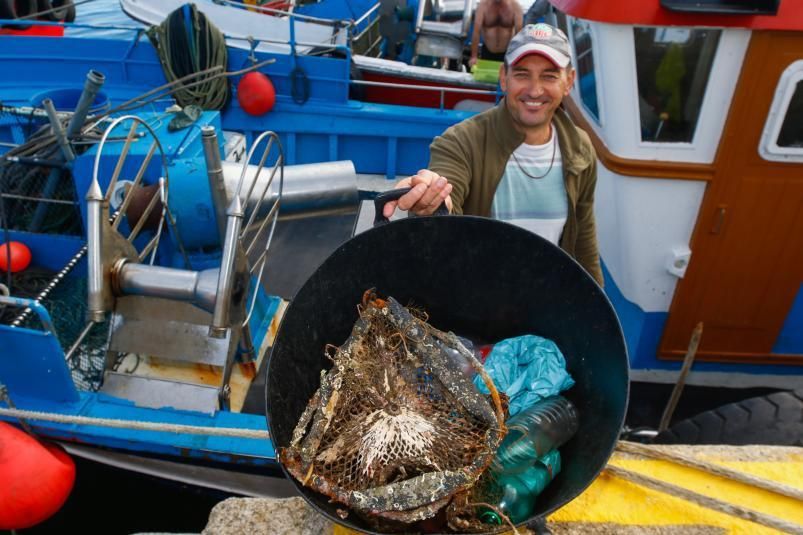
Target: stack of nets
[396, 432]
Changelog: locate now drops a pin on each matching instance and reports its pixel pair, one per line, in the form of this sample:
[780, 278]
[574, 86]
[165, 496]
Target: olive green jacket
[473, 154]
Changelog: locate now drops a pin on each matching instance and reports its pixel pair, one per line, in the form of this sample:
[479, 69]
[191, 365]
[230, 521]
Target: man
[496, 21]
[522, 161]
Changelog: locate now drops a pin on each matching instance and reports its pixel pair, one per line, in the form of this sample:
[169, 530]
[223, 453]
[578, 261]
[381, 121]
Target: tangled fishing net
[395, 431]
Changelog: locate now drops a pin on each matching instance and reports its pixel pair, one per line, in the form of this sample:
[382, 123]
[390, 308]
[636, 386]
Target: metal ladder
[438, 38]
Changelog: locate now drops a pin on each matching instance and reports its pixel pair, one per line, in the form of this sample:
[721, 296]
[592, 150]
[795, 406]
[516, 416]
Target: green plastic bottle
[520, 488]
[534, 432]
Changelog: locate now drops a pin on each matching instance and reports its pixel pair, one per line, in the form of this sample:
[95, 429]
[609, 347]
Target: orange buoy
[37, 479]
[256, 93]
[20, 256]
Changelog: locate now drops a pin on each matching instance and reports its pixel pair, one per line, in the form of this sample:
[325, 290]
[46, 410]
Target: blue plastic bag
[526, 368]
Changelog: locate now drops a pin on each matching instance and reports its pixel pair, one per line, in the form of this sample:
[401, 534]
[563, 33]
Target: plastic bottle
[534, 432]
[459, 361]
[519, 490]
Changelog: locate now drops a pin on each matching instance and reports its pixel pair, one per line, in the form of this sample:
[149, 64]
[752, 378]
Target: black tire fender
[14, 9]
[7, 9]
[58, 10]
[775, 419]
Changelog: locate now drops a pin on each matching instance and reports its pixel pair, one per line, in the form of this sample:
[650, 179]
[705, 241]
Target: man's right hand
[472, 61]
[429, 191]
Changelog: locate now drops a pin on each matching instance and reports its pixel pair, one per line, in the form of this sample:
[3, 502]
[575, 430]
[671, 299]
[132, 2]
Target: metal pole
[96, 310]
[77, 343]
[217, 184]
[55, 124]
[225, 282]
[196, 287]
[94, 81]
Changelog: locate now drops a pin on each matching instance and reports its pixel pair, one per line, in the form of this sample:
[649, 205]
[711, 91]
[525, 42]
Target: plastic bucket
[66, 99]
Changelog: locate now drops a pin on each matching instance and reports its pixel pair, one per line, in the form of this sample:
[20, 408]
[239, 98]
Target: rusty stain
[248, 370]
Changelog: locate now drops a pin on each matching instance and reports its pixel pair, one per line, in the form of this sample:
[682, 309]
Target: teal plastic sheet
[526, 368]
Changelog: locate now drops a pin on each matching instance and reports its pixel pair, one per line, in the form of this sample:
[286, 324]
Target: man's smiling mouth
[533, 104]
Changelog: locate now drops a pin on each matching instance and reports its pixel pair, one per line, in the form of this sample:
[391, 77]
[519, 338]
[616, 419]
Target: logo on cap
[540, 31]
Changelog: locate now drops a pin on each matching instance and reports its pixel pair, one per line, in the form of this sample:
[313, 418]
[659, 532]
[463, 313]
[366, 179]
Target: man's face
[535, 88]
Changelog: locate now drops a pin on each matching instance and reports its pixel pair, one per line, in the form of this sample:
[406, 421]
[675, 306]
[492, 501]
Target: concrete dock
[757, 492]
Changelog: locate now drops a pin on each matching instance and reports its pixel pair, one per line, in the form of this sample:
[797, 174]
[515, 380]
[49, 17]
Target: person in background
[495, 21]
[523, 161]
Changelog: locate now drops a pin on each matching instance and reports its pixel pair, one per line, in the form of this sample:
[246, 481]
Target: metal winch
[154, 263]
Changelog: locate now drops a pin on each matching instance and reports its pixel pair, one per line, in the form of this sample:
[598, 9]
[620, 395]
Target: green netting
[21, 185]
[66, 304]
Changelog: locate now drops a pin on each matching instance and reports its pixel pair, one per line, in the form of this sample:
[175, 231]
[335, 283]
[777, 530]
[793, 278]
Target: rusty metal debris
[395, 432]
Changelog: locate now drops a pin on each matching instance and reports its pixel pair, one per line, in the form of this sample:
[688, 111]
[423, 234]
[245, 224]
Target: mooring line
[139, 426]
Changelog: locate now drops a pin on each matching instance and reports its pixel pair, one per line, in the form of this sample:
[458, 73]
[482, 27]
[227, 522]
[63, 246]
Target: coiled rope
[187, 42]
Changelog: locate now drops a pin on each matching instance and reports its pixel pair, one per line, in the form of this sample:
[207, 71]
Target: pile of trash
[407, 438]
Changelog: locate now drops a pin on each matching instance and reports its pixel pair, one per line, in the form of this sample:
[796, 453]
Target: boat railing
[352, 25]
[366, 15]
[138, 30]
[30, 305]
[291, 15]
[292, 42]
[356, 35]
[371, 47]
[254, 42]
[10, 23]
[441, 89]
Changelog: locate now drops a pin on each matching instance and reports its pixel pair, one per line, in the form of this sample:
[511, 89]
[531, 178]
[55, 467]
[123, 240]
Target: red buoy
[36, 479]
[20, 256]
[256, 94]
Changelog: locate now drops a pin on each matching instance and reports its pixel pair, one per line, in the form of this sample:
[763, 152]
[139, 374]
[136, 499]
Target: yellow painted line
[613, 500]
[610, 499]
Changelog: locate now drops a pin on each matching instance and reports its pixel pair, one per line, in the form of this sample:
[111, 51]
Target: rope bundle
[187, 42]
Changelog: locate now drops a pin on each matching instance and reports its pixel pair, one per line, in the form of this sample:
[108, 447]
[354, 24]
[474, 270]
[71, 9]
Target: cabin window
[791, 134]
[782, 139]
[584, 56]
[672, 68]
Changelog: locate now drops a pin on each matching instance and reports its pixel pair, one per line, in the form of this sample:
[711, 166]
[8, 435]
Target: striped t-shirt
[539, 205]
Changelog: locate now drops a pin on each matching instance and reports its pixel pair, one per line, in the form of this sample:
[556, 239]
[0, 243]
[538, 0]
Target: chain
[551, 163]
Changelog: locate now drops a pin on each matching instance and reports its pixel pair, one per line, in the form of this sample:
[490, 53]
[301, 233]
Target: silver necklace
[551, 163]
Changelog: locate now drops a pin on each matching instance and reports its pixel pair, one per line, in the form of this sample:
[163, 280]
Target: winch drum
[480, 278]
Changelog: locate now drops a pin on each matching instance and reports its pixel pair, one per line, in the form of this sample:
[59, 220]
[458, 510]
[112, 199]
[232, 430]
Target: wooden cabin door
[747, 250]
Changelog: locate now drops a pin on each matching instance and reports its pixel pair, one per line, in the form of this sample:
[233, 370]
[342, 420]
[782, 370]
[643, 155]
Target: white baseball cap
[541, 39]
